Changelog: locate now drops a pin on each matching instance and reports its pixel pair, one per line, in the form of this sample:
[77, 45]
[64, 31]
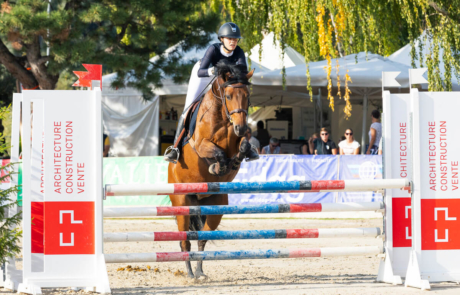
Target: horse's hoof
[190, 275]
[200, 276]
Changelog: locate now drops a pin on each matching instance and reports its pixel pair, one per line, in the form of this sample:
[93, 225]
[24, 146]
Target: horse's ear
[249, 75]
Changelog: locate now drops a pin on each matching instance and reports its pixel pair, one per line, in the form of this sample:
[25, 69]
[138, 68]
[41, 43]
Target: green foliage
[325, 29]
[5, 117]
[9, 231]
[121, 35]
[7, 86]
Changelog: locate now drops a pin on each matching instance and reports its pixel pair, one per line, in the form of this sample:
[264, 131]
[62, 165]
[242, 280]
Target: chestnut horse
[217, 149]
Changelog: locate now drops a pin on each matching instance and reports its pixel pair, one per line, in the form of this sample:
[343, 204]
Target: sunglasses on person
[324, 134]
[349, 133]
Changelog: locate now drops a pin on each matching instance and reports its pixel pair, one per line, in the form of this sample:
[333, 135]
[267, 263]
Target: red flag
[81, 82]
[94, 72]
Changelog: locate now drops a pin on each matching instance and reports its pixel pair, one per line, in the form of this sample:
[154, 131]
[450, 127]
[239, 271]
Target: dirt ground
[337, 275]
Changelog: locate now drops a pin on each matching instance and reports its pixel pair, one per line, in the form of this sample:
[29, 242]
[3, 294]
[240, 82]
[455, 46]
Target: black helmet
[229, 30]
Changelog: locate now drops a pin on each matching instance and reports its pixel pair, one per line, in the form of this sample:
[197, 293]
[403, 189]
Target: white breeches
[195, 86]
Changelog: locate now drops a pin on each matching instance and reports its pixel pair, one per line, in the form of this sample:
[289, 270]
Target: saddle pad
[192, 126]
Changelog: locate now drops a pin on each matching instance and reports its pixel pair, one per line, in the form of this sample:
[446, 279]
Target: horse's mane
[236, 73]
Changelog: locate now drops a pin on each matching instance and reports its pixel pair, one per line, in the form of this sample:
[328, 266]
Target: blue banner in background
[363, 167]
[286, 168]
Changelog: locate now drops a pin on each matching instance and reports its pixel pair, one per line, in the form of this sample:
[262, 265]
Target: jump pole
[240, 209]
[254, 187]
[242, 254]
[243, 234]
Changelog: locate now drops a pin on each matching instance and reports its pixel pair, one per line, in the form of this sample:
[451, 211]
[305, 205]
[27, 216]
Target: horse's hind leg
[183, 224]
[212, 222]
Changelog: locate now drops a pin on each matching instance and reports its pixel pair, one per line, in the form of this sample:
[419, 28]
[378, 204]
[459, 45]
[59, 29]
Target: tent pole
[363, 136]
[320, 103]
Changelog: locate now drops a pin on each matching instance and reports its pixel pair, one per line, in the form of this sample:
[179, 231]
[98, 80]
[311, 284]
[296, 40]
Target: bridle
[224, 101]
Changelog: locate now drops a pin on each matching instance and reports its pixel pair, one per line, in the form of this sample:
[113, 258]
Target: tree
[326, 29]
[121, 35]
[10, 234]
[7, 86]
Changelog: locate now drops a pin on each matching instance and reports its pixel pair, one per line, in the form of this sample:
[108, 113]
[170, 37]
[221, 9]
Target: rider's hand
[211, 71]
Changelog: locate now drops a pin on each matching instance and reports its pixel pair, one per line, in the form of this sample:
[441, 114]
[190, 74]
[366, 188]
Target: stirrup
[170, 149]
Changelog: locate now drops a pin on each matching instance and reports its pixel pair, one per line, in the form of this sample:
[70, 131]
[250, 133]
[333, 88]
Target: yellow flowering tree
[328, 29]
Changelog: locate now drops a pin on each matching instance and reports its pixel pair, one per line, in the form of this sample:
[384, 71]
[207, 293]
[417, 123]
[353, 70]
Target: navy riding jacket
[213, 56]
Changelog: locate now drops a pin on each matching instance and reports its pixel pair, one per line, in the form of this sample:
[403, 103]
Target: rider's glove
[211, 71]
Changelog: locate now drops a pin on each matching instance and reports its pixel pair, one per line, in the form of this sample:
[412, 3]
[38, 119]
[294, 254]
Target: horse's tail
[197, 222]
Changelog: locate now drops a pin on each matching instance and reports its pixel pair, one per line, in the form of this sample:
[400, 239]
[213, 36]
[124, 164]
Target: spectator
[380, 147]
[252, 140]
[273, 148]
[262, 134]
[323, 145]
[106, 145]
[311, 145]
[349, 146]
[375, 133]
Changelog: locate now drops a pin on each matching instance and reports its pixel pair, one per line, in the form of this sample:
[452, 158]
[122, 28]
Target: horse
[214, 152]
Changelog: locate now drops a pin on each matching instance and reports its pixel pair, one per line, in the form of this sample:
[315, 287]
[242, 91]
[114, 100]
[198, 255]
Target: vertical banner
[62, 162]
[360, 167]
[286, 168]
[436, 202]
[398, 164]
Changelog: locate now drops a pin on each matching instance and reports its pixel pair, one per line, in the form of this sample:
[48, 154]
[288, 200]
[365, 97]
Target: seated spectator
[273, 148]
[252, 140]
[311, 146]
[349, 146]
[323, 145]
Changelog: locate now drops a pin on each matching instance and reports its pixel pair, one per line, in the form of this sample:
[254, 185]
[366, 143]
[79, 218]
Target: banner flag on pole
[81, 82]
[389, 79]
[416, 76]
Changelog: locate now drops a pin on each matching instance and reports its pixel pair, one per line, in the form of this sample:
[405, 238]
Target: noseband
[224, 102]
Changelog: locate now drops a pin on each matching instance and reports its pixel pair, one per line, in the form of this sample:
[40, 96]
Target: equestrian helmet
[229, 30]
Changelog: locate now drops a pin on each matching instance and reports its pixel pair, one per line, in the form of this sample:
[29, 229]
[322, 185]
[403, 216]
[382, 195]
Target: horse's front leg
[244, 150]
[208, 149]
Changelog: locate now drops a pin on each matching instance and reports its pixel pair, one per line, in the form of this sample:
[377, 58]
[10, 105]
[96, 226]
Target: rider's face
[230, 43]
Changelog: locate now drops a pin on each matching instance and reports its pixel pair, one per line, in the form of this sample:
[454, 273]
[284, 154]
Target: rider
[203, 74]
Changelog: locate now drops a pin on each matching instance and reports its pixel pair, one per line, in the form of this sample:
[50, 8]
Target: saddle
[189, 125]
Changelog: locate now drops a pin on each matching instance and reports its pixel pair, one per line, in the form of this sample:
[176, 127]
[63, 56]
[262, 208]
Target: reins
[224, 102]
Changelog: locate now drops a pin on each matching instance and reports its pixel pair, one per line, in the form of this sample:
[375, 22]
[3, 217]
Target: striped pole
[242, 254]
[240, 209]
[242, 234]
[254, 187]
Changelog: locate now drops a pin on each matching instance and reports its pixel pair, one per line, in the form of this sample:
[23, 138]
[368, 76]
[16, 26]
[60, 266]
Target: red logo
[440, 224]
[69, 228]
[402, 228]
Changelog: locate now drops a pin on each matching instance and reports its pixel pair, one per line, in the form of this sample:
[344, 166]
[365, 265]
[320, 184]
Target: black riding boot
[172, 153]
[252, 155]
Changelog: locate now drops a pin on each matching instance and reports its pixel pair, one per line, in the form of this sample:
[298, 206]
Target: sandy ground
[338, 275]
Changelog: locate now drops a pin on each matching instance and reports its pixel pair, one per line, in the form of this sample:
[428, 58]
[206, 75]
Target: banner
[286, 168]
[135, 171]
[363, 167]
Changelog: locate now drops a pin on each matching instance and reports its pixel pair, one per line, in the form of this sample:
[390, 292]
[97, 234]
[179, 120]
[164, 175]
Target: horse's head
[232, 89]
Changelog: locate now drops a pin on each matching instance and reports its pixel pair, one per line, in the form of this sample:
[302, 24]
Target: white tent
[272, 54]
[364, 69]
[403, 56]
